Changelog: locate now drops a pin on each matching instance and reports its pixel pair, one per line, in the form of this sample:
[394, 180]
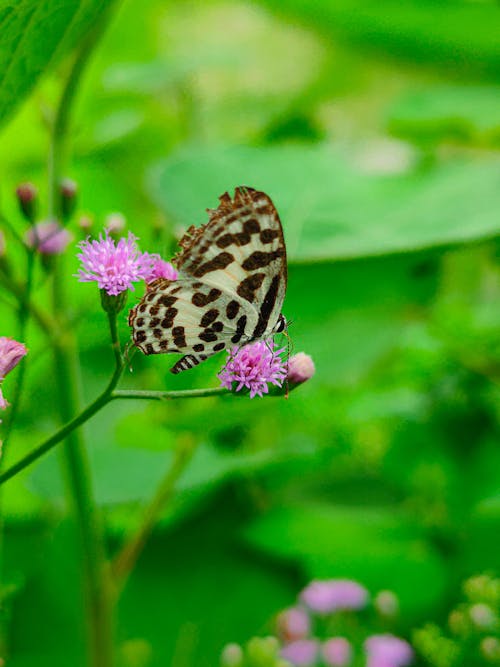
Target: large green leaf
[33, 35]
[330, 209]
[374, 545]
[462, 35]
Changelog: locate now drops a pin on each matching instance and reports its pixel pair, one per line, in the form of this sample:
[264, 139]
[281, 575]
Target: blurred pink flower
[49, 238]
[114, 266]
[387, 651]
[11, 353]
[337, 652]
[300, 368]
[293, 623]
[161, 269]
[301, 653]
[327, 596]
[254, 366]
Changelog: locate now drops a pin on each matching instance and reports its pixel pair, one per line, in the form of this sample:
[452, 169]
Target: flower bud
[85, 223]
[337, 652]
[27, 197]
[303, 652]
[490, 648]
[232, 656]
[300, 368]
[293, 623]
[11, 353]
[113, 303]
[115, 223]
[386, 603]
[483, 616]
[49, 238]
[68, 190]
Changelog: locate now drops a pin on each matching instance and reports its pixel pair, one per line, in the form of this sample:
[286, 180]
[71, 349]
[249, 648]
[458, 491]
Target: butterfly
[230, 289]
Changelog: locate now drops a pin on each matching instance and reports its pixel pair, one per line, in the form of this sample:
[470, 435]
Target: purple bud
[293, 623]
[11, 353]
[49, 238]
[301, 653]
[337, 652]
[27, 195]
[68, 190]
[300, 368]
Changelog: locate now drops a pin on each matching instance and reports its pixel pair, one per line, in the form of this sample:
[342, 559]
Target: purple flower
[300, 368]
[301, 653]
[114, 266]
[325, 597]
[254, 366]
[293, 623]
[49, 238]
[387, 651]
[161, 269]
[11, 353]
[337, 652]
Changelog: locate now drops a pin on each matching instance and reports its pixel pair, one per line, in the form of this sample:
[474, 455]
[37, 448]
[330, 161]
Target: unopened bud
[115, 223]
[490, 648]
[68, 191]
[232, 656]
[386, 603]
[483, 616]
[85, 223]
[113, 303]
[300, 369]
[27, 197]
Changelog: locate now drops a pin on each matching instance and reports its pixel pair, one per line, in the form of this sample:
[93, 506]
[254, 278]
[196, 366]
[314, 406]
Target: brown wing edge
[243, 196]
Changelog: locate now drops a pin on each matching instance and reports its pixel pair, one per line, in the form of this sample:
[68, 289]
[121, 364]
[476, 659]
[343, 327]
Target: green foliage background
[375, 129]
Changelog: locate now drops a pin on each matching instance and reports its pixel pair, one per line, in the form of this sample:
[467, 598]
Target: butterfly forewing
[231, 286]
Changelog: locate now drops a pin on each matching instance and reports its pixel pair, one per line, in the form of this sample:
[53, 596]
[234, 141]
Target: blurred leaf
[444, 112]
[378, 547]
[34, 35]
[462, 35]
[329, 209]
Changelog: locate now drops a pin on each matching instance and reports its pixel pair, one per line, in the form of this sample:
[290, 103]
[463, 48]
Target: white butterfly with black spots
[231, 285]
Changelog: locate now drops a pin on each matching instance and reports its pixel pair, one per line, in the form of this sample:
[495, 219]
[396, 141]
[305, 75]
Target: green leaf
[448, 112]
[378, 547]
[34, 35]
[462, 35]
[329, 209]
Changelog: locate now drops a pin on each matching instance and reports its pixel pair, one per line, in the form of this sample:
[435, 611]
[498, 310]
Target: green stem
[44, 321]
[102, 400]
[124, 561]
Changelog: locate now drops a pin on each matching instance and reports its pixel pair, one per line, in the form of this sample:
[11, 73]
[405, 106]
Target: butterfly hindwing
[231, 285]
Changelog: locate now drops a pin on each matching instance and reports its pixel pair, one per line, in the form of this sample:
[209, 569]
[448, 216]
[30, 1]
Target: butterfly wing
[231, 285]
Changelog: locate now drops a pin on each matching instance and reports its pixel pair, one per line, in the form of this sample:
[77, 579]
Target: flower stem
[124, 561]
[168, 395]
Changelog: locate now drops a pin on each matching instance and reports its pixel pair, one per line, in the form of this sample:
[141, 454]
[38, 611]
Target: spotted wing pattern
[231, 285]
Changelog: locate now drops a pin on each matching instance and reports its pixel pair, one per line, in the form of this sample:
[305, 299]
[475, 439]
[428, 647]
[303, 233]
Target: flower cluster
[116, 266]
[11, 353]
[312, 631]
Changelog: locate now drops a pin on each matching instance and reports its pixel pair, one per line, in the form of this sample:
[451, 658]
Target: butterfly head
[281, 324]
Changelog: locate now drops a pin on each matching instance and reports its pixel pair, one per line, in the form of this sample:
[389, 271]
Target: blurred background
[375, 129]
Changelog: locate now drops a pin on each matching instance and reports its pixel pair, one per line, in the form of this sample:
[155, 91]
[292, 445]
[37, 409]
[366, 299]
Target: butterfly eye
[281, 325]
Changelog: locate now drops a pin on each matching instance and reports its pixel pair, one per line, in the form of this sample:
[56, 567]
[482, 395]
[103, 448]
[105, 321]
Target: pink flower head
[301, 653]
[293, 623]
[337, 652]
[254, 366]
[387, 651]
[300, 368]
[49, 238]
[161, 269]
[114, 266]
[325, 597]
[11, 353]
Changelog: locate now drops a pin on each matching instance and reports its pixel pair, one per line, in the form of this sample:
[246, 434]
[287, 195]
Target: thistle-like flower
[161, 269]
[255, 367]
[49, 238]
[387, 651]
[114, 266]
[325, 597]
